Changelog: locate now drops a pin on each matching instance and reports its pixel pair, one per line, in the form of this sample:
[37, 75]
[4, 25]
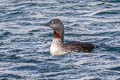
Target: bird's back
[79, 46]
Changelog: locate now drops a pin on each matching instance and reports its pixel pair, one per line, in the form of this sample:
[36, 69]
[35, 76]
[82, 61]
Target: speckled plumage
[58, 47]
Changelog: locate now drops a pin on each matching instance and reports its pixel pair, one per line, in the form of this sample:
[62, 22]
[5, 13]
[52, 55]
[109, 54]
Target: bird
[58, 46]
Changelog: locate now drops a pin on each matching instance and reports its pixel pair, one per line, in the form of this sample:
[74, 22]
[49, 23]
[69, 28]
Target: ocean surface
[24, 43]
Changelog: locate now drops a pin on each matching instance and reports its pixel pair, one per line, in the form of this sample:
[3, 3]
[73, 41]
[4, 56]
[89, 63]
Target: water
[24, 43]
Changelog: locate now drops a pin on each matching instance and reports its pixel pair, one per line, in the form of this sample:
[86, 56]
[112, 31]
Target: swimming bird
[58, 47]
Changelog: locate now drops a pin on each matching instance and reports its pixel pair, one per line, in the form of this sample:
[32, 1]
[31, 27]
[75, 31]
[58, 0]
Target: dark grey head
[56, 25]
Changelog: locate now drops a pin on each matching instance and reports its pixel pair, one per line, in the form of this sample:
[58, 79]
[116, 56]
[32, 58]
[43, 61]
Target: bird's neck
[56, 35]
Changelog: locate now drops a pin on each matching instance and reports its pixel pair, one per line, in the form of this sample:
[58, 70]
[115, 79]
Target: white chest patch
[56, 48]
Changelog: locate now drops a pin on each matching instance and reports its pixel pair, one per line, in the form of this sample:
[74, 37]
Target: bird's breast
[56, 48]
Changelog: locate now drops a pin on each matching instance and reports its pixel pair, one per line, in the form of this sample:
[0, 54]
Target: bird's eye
[53, 22]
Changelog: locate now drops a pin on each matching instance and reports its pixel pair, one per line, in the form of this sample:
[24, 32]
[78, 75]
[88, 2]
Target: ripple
[104, 12]
[109, 57]
[1, 43]
[112, 49]
[115, 68]
[53, 67]
[27, 68]
[115, 1]
[32, 61]
[5, 35]
[118, 79]
[16, 50]
[111, 74]
[91, 78]
[12, 76]
[108, 12]
[13, 57]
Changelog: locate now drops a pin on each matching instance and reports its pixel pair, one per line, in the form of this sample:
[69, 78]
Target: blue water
[24, 43]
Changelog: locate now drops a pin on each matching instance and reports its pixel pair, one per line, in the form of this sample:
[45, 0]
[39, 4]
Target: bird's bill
[45, 24]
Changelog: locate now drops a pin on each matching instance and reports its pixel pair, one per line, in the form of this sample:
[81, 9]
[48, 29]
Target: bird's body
[58, 47]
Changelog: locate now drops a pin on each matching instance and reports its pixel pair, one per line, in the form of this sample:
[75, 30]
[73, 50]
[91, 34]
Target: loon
[58, 47]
